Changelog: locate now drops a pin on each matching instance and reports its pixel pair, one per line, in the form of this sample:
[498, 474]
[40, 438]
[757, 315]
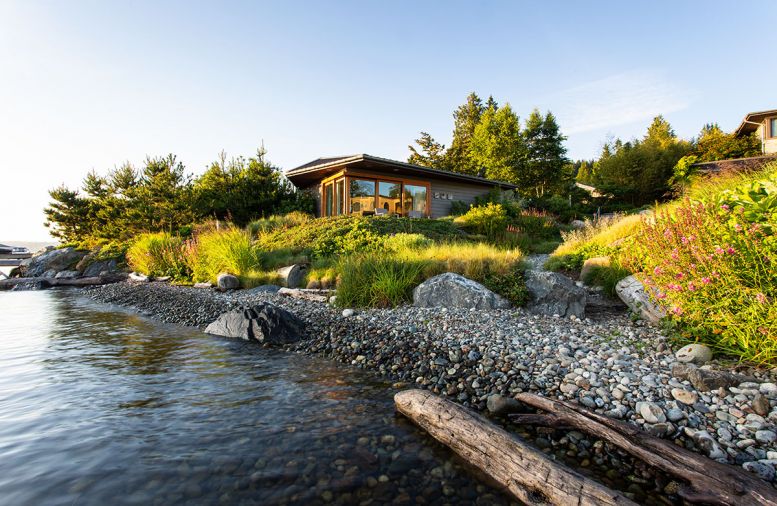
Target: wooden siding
[461, 191]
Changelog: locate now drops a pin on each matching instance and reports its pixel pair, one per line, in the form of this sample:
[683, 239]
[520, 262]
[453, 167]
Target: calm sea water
[101, 406]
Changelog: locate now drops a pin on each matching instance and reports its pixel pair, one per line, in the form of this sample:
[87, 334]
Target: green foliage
[714, 144]
[489, 220]
[227, 249]
[639, 171]
[377, 281]
[459, 207]
[606, 277]
[511, 286]
[542, 169]
[497, 145]
[275, 222]
[432, 153]
[239, 190]
[159, 254]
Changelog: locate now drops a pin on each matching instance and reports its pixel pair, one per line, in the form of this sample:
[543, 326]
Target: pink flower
[725, 207]
[658, 271]
[684, 240]
[706, 280]
[731, 251]
[679, 275]
[761, 298]
[677, 310]
[691, 287]
[718, 250]
[660, 295]
[738, 227]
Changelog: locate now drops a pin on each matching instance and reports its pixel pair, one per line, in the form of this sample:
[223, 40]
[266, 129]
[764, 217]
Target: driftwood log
[526, 473]
[306, 294]
[7, 284]
[707, 481]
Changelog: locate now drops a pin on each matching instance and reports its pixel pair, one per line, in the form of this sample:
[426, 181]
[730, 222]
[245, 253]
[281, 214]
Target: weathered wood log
[7, 284]
[707, 481]
[306, 294]
[526, 473]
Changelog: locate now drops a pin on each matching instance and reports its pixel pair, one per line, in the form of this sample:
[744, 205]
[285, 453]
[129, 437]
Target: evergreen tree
[431, 154]
[67, 215]
[465, 119]
[497, 146]
[545, 155]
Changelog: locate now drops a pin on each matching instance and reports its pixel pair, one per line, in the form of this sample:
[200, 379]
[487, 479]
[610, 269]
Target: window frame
[345, 176]
[771, 123]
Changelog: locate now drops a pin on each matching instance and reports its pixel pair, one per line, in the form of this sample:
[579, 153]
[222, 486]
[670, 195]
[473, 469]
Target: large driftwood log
[306, 294]
[708, 481]
[523, 471]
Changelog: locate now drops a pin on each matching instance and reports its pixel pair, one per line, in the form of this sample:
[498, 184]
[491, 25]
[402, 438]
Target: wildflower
[706, 280]
[679, 275]
[691, 287]
[684, 240]
[718, 250]
[674, 254]
[658, 271]
[761, 298]
[677, 310]
[660, 295]
[725, 207]
[738, 227]
[731, 251]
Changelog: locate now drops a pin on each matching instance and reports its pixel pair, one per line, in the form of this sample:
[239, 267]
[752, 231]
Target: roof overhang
[312, 172]
[753, 120]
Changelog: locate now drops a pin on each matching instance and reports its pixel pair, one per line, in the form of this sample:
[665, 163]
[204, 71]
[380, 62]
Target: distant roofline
[747, 124]
[312, 167]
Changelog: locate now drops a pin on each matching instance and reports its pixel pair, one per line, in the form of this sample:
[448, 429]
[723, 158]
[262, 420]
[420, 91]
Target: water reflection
[100, 406]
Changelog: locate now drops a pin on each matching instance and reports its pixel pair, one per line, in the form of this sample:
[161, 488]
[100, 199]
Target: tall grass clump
[226, 250]
[276, 222]
[377, 281]
[713, 265]
[159, 254]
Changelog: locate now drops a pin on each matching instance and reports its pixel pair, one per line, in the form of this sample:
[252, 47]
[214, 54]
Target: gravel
[612, 364]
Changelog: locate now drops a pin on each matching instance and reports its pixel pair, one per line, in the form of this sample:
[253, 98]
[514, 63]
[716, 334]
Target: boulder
[705, 380]
[555, 294]
[226, 281]
[53, 260]
[694, 353]
[98, 267]
[590, 265]
[453, 290]
[577, 224]
[633, 294]
[265, 323]
[67, 275]
[264, 289]
[293, 276]
[500, 405]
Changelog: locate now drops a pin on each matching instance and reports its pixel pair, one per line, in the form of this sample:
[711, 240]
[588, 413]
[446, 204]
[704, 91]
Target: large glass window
[773, 127]
[390, 197]
[362, 195]
[415, 201]
[340, 197]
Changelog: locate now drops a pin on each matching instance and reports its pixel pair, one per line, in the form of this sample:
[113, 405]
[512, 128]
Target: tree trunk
[523, 471]
[708, 481]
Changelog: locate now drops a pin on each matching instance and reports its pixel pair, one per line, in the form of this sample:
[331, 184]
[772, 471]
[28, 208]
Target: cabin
[764, 123]
[370, 185]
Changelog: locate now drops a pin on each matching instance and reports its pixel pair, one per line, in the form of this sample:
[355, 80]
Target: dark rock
[67, 275]
[52, 260]
[97, 268]
[761, 405]
[500, 405]
[266, 323]
[454, 290]
[227, 282]
[555, 294]
[705, 380]
[263, 289]
[682, 371]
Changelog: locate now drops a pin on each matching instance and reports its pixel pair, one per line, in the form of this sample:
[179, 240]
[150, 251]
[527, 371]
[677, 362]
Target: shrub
[226, 250]
[489, 220]
[377, 281]
[459, 207]
[159, 254]
[265, 225]
[511, 286]
[713, 266]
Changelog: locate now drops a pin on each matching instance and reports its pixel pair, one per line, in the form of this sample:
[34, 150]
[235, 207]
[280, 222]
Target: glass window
[340, 197]
[390, 197]
[328, 200]
[415, 201]
[362, 195]
[773, 127]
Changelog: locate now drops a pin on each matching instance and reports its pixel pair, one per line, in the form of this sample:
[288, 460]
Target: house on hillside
[370, 185]
[764, 123]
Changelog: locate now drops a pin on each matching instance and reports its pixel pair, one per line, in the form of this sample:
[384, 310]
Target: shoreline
[611, 365]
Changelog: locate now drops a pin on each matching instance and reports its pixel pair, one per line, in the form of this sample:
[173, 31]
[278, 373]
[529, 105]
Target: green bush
[227, 250]
[159, 254]
[459, 207]
[511, 286]
[712, 264]
[265, 225]
[377, 281]
[489, 220]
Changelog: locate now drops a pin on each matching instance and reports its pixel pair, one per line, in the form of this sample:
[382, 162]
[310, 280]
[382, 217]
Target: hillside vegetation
[709, 258]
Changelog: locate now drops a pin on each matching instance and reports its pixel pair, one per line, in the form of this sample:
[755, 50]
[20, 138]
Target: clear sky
[91, 84]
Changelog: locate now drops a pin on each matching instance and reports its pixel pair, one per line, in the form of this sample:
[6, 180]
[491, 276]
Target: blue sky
[91, 84]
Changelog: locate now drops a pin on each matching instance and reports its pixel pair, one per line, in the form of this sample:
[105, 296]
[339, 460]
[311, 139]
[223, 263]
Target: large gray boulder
[293, 276]
[631, 291]
[226, 281]
[67, 275]
[554, 294]
[52, 261]
[454, 290]
[265, 322]
[99, 267]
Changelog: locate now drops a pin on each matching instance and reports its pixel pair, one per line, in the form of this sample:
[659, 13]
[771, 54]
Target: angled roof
[752, 120]
[321, 167]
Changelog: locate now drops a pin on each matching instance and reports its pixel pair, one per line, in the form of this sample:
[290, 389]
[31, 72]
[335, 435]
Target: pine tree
[545, 155]
[465, 119]
[431, 154]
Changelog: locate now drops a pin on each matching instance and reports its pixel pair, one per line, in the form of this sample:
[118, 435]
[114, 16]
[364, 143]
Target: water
[99, 406]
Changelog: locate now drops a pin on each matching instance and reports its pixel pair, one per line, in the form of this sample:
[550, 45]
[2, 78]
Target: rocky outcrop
[633, 294]
[293, 276]
[453, 290]
[31, 284]
[555, 294]
[265, 323]
[67, 275]
[226, 281]
[100, 268]
[52, 262]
